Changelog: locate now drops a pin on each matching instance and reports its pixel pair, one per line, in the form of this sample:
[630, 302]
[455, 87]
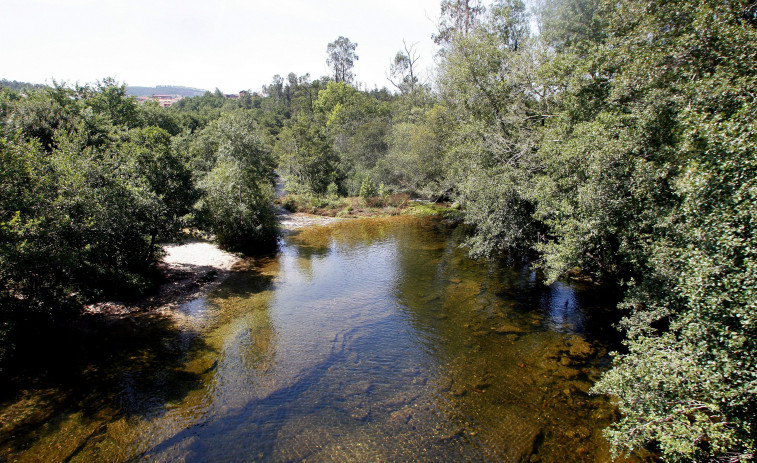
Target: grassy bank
[376, 206]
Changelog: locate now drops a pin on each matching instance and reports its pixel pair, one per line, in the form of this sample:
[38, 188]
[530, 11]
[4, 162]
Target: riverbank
[192, 269]
[189, 270]
[358, 207]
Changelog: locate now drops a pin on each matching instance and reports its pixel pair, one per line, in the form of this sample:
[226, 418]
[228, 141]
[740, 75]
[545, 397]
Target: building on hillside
[166, 100]
[163, 100]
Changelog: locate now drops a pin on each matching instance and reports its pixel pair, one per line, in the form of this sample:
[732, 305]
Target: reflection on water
[367, 340]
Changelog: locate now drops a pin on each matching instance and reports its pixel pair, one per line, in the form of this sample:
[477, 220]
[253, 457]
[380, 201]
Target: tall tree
[458, 16]
[402, 70]
[341, 58]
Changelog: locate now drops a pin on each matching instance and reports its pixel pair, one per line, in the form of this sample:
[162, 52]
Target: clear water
[369, 340]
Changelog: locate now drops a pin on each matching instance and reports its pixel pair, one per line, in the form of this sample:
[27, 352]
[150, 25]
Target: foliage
[705, 404]
[341, 57]
[306, 158]
[458, 17]
[236, 203]
[403, 69]
[618, 142]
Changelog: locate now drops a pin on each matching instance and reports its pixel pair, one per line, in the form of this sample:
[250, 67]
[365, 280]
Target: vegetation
[618, 142]
[615, 139]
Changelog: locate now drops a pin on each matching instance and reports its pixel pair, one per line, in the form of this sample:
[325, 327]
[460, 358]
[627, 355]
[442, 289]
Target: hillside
[164, 90]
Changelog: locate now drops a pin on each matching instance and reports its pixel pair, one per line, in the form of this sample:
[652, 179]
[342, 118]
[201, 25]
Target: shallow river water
[367, 340]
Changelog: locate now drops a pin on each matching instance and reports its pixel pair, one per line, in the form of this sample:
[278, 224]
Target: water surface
[368, 340]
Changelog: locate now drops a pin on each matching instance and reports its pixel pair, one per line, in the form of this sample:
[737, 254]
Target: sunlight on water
[367, 340]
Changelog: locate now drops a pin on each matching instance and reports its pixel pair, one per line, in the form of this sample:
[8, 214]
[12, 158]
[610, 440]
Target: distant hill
[164, 90]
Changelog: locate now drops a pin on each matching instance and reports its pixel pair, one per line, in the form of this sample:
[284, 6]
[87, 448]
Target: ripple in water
[366, 340]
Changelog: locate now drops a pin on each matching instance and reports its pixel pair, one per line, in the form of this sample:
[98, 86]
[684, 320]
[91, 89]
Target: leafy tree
[489, 83]
[402, 69]
[341, 58]
[415, 160]
[457, 17]
[237, 191]
[698, 400]
[306, 158]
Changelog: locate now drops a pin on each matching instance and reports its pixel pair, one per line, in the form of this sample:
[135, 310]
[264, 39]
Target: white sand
[198, 254]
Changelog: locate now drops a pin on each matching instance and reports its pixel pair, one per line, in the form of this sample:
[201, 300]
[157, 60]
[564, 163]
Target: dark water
[371, 340]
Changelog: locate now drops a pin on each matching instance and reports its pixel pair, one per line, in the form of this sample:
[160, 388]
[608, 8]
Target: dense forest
[610, 140]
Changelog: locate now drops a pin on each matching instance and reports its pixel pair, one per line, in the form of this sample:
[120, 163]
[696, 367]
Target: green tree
[341, 58]
[457, 17]
[403, 71]
[489, 80]
[306, 158]
[237, 192]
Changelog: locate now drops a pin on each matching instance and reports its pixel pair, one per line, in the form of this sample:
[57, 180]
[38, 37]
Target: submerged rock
[458, 390]
[400, 417]
[508, 328]
[580, 348]
[360, 413]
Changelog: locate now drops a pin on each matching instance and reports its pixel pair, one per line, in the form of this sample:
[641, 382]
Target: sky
[232, 45]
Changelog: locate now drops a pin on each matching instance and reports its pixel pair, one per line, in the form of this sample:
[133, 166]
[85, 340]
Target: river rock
[356, 388]
[450, 434]
[582, 386]
[523, 441]
[445, 384]
[458, 390]
[400, 417]
[580, 348]
[360, 413]
[583, 432]
[507, 328]
[566, 372]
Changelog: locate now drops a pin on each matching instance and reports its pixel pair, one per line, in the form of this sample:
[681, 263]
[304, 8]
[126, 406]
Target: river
[364, 340]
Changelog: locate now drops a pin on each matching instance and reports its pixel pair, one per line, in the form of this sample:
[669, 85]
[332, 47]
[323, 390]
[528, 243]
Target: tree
[306, 157]
[489, 82]
[402, 69]
[237, 199]
[458, 17]
[341, 58]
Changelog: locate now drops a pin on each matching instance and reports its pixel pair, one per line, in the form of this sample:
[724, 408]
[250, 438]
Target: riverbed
[362, 340]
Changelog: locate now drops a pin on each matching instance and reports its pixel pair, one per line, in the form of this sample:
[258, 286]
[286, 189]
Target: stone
[508, 328]
[360, 413]
[400, 417]
[580, 348]
[458, 391]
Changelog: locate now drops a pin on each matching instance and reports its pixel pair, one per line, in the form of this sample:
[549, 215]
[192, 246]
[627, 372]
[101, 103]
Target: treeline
[20, 86]
[91, 182]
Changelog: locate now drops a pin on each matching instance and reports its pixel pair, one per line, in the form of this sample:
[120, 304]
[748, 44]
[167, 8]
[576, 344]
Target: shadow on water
[253, 426]
[98, 369]
[364, 340]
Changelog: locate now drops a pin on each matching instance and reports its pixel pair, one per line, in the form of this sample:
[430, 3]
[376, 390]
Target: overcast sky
[229, 44]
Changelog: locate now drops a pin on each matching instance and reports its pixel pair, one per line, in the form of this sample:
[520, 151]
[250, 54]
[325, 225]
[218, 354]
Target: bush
[367, 188]
[237, 196]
